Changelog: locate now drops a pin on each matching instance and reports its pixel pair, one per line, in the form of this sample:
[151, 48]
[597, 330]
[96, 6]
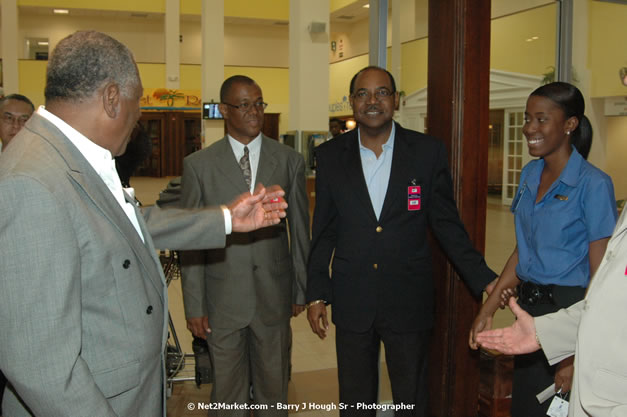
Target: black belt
[532, 294]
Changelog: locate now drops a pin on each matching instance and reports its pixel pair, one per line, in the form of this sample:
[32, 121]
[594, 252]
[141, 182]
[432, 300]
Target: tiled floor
[314, 373]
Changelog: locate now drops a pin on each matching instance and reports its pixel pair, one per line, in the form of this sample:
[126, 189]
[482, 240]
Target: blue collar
[569, 175]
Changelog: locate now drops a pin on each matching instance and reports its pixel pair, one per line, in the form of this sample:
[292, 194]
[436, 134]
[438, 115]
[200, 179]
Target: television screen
[210, 111]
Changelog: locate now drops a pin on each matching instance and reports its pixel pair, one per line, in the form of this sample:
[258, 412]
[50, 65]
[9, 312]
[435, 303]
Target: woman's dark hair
[570, 100]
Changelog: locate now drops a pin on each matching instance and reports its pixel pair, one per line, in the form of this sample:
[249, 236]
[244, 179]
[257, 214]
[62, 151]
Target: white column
[11, 81]
[212, 28]
[172, 44]
[395, 68]
[378, 30]
[309, 65]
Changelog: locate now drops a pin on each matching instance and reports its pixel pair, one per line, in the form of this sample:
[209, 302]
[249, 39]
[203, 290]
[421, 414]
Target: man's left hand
[266, 207]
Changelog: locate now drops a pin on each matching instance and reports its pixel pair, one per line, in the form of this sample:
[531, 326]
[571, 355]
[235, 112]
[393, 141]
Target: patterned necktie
[244, 164]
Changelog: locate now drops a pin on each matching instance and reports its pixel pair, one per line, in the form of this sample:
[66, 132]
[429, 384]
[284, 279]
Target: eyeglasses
[10, 119]
[365, 95]
[246, 107]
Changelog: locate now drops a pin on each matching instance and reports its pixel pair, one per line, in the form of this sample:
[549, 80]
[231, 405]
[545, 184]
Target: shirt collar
[98, 157]
[388, 145]
[238, 147]
[569, 175]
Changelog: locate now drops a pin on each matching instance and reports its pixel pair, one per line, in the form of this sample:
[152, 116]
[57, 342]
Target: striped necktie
[244, 164]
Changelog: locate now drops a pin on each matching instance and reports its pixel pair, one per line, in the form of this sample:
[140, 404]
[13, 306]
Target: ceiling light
[535, 38]
[366, 6]
[42, 43]
[60, 11]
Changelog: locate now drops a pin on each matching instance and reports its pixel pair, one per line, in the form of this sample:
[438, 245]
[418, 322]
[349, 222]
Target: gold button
[375, 266]
[379, 229]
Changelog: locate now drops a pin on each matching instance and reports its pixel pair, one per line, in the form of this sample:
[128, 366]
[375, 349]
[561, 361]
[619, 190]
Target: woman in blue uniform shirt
[564, 214]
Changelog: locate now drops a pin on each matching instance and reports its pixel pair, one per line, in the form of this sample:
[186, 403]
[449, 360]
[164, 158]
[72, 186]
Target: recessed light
[42, 43]
[366, 6]
[60, 11]
[535, 38]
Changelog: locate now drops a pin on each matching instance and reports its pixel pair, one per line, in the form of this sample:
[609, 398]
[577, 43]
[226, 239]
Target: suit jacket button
[379, 229]
[255, 267]
[126, 264]
[375, 266]
[149, 310]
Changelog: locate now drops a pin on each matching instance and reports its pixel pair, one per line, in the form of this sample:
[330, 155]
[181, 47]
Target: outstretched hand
[481, 323]
[516, 339]
[266, 207]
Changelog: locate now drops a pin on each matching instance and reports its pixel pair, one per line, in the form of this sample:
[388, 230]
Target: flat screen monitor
[210, 111]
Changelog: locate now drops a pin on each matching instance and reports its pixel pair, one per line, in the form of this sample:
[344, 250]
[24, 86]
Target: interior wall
[606, 48]
[616, 130]
[510, 49]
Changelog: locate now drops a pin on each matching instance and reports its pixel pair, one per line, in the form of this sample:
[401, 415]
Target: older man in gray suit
[241, 298]
[83, 303]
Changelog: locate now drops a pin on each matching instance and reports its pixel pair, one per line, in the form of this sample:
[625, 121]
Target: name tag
[413, 197]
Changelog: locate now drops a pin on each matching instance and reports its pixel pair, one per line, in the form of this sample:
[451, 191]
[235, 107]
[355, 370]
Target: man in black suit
[379, 188]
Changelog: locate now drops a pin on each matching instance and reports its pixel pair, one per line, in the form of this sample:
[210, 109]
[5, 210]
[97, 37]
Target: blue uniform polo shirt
[554, 235]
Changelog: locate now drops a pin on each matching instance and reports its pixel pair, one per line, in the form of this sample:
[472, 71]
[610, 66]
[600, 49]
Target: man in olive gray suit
[241, 298]
[83, 301]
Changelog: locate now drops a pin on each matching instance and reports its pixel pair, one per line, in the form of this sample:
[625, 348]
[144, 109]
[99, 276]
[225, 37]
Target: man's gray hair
[84, 62]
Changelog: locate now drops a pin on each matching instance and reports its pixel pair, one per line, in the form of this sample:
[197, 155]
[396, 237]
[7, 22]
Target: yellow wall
[607, 52]
[616, 150]
[509, 49]
[33, 80]
[338, 4]
[151, 6]
[340, 74]
[414, 69]
[257, 9]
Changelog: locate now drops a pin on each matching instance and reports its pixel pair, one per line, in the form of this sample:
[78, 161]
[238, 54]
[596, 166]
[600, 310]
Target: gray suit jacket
[83, 304]
[257, 273]
[594, 330]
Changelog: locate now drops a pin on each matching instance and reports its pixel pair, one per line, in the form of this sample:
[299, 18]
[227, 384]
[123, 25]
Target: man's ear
[223, 108]
[111, 99]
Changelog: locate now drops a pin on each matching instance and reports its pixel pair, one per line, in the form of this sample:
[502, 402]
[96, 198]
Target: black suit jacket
[383, 268]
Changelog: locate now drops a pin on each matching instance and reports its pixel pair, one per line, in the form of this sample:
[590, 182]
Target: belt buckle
[531, 293]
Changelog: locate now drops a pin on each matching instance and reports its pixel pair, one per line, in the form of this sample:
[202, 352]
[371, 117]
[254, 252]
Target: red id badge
[413, 197]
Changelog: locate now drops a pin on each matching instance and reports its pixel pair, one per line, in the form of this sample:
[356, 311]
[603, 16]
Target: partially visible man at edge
[379, 188]
[15, 110]
[84, 301]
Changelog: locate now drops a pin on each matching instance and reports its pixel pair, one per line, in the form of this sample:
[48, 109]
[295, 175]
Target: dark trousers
[532, 372]
[358, 369]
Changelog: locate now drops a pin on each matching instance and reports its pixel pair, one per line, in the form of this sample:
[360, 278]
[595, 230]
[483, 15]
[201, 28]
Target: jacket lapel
[399, 174]
[229, 166]
[267, 163]
[351, 160]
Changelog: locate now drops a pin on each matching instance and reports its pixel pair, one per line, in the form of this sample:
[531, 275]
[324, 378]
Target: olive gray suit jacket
[258, 273]
[83, 303]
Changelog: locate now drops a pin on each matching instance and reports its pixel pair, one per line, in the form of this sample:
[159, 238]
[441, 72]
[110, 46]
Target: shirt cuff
[228, 224]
